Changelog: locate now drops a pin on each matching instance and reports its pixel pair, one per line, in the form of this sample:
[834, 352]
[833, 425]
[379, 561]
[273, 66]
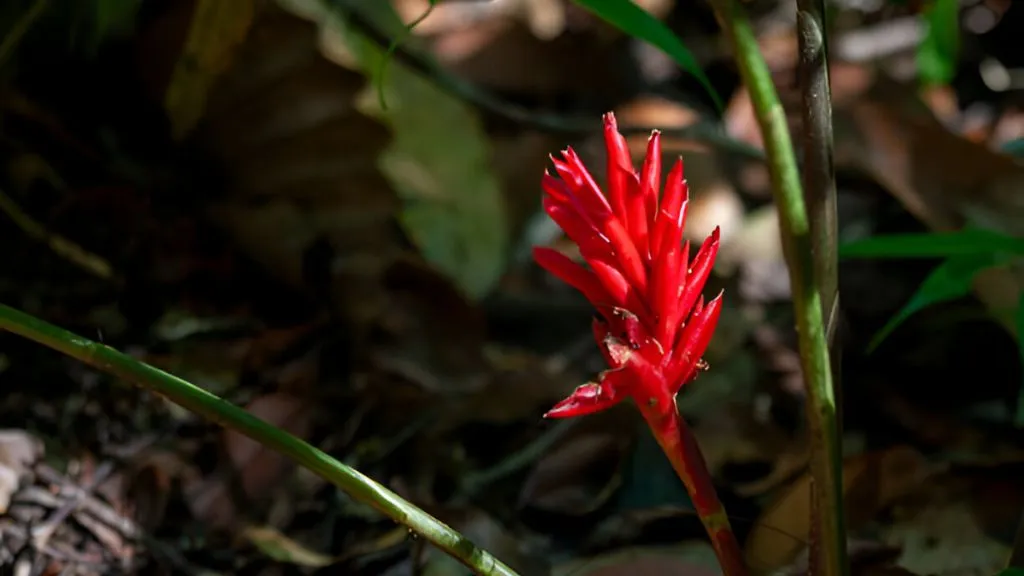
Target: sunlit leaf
[439, 163]
[951, 280]
[637, 22]
[937, 245]
[216, 30]
[937, 54]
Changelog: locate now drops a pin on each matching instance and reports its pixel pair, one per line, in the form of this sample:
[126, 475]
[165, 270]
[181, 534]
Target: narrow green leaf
[939, 245]
[937, 54]
[637, 22]
[951, 280]
[1012, 571]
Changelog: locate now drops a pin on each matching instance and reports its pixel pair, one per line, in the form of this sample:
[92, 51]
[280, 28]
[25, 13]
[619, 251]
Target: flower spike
[654, 326]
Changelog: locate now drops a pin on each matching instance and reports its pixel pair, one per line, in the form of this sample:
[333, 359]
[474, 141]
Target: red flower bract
[655, 325]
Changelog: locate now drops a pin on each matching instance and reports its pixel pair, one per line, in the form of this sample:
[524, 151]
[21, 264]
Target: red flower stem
[677, 442]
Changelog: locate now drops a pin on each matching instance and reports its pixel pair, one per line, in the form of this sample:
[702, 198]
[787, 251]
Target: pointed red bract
[650, 178]
[639, 275]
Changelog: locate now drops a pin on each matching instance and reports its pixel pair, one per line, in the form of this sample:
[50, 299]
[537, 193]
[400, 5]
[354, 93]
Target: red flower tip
[639, 274]
[586, 399]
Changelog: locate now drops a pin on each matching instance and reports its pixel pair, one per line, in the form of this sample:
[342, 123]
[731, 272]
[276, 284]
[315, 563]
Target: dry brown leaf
[302, 194]
[872, 482]
[145, 488]
[502, 52]
[583, 468]
[284, 549]
[488, 534]
[205, 35]
[941, 178]
[940, 531]
[19, 450]
[733, 436]
[259, 468]
[429, 334]
[691, 559]
[972, 445]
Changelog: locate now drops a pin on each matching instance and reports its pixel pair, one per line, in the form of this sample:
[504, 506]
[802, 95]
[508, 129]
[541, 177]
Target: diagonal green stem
[209, 406]
[798, 245]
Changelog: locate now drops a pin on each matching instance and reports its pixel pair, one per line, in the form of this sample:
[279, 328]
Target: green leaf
[937, 54]
[950, 280]
[637, 22]
[439, 163]
[1019, 420]
[939, 245]
[1012, 571]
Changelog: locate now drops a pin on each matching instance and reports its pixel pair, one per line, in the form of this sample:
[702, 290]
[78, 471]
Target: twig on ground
[360, 487]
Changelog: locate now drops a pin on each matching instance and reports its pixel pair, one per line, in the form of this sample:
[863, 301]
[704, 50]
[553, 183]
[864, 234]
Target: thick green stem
[677, 442]
[226, 414]
[798, 245]
[820, 193]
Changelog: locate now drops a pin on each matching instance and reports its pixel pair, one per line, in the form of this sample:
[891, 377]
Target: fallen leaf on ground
[731, 436]
[871, 483]
[259, 468]
[581, 471]
[19, 450]
[429, 334]
[213, 32]
[283, 549]
[144, 491]
[941, 535]
[488, 534]
[302, 194]
[691, 559]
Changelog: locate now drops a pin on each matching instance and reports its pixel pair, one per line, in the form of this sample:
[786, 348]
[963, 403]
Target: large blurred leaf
[937, 54]
[439, 163]
[951, 280]
[961, 243]
[635, 21]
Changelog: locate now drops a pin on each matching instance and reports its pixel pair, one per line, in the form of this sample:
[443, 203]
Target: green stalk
[820, 194]
[211, 407]
[798, 246]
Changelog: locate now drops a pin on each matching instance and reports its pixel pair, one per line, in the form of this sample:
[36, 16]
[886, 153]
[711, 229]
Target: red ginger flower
[655, 325]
